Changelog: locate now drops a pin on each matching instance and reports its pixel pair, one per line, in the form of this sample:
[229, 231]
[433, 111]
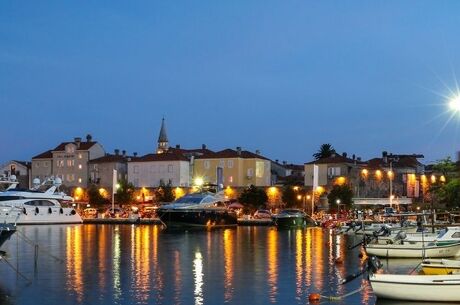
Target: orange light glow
[378, 174]
[178, 192]
[390, 175]
[340, 180]
[364, 172]
[299, 197]
[442, 179]
[433, 179]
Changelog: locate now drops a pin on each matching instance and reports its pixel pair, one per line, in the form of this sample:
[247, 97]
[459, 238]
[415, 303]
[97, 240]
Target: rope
[341, 297]
[17, 271]
[30, 242]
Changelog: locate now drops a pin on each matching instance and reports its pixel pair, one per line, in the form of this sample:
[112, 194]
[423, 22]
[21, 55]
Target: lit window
[70, 163]
[80, 156]
[230, 179]
[79, 180]
[79, 166]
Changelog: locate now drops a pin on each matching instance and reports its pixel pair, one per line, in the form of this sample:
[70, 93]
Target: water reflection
[198, 276]
[139, 264]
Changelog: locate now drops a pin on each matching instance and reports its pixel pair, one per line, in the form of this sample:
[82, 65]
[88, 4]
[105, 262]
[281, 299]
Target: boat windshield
[195, 199]
[442, 233]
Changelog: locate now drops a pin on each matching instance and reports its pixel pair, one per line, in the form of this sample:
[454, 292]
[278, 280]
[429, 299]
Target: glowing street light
[199, 181]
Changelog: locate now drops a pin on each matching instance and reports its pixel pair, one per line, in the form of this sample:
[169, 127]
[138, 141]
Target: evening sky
[279, 76]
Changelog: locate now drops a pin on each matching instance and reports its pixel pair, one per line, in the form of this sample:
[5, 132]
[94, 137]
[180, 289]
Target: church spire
[163, 143]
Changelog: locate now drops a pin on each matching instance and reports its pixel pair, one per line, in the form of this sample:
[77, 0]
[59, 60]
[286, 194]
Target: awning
[381, 201]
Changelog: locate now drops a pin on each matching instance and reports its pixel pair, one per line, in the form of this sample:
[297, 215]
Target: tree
[289, 196]
[340, 192]
[325, 151]
[125, 192]
[253, 197]
[448, 192]
[95, 197]
[164, 193]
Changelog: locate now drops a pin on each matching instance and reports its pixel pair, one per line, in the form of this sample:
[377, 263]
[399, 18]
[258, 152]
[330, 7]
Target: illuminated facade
[236, 168]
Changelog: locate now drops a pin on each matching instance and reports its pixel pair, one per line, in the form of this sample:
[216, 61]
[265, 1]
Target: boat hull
[41, 215]
[413, 251]
[290, 222]
[428, 288]
[205, 218]
[440, 267]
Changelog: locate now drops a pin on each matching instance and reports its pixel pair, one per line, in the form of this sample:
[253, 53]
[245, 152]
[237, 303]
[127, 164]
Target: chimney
[123, 152]
[385, 156]
[284, 163]
[238, 150]
[277, 160]
[117, 151]
[203, 146]
[354, 157]
[77, 141]
[257, 152]
[344, 154]
[177, 146]
[89, 138]
[135, 154]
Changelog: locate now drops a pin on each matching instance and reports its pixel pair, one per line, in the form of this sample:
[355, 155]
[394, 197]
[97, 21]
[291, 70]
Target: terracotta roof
[44, 155]
[230, 153]
[294, 166]
[405, 161]
[335, 160]
[110, 158]
[83, 146]
[190, 151]
[168, 156]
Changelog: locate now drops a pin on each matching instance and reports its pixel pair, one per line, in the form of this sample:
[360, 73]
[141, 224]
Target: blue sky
[279, 76]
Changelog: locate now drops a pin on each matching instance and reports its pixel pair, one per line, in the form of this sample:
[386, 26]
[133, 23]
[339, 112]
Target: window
[79, 166]
[259, 169]
[170, 168]
[37, 164]
[80, 156]
[222, 163]
[70, 163]
[45, 164]
[206, 164]
[250, 172]
[70, 177]
[79, 180]
[136, 169]
[60, 163]
[230, 179]
[70, 149]
[230, 163]
[333, 171]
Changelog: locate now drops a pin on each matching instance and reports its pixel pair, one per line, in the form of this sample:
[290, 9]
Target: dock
[254, 222]
[153, 221]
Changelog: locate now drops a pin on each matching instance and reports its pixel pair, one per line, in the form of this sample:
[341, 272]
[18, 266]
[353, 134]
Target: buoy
[314, 297]
[338, 260]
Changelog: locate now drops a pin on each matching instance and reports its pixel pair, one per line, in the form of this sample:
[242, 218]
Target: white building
[151, 169]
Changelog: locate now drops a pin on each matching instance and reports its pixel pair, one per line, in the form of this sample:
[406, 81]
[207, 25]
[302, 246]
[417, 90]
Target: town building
[152, 169]
[101, 170]
[234, 168]
[20, 169]
[68, 161]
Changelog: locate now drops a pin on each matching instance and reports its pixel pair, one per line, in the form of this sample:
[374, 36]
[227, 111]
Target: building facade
[234, 168]
[20, 169]
[68, 161]
[101, 170]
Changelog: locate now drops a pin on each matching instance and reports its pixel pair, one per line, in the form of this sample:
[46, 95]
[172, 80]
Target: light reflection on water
[124, 264]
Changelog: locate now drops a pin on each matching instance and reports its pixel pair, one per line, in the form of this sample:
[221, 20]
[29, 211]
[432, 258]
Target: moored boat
[292, 218]
[428, 288]
[440, 266]
[204, 209]
[417, 250]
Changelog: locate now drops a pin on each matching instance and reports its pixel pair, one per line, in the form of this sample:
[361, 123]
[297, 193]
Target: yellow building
[238, 168]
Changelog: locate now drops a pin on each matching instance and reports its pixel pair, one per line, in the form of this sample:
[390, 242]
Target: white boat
[22, 206]
[417, 250]
[428, 288]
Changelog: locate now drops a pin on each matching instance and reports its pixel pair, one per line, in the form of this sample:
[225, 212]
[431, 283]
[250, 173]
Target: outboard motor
[373, 264]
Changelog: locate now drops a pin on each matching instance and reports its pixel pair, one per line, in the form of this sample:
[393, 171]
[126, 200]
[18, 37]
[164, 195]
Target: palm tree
[325, 151]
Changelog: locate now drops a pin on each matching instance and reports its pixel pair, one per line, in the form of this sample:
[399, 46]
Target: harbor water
[144, 264]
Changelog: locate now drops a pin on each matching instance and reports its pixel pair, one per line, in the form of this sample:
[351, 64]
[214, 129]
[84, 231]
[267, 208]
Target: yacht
[204, 209]
[292, 218]
[24, 206]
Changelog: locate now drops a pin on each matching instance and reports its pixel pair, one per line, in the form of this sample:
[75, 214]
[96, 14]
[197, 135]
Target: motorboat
[202, 209]
[445, 236]
[24, 206]
[413, 250]
[292, 218]
[440, 266]
[428, 288]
